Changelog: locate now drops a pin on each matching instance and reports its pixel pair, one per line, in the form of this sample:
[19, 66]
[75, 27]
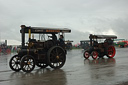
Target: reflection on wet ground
[101, 70]
[100, 61]
[39, 77]
[76, 71]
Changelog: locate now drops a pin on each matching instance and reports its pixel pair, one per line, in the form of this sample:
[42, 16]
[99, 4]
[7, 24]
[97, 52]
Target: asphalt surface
[76, 71]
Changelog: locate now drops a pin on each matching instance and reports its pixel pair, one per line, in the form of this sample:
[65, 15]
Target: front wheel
[14, 63]
[94, 54]
[56, 57]
[86, 55]
[27, 63]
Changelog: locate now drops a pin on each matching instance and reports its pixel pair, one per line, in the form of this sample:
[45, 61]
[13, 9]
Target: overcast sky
[81, 16]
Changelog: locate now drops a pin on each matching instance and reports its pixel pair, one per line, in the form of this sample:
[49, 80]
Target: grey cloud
[83, 16]
[76, 36]
[120, 27]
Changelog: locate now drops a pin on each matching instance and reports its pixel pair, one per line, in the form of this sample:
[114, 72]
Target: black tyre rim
[14, 63]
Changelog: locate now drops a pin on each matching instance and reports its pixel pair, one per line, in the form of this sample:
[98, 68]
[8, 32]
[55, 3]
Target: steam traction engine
[46, 51]
[100, 45]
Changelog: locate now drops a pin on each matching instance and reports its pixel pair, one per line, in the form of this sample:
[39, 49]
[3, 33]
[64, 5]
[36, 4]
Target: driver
[61, 40]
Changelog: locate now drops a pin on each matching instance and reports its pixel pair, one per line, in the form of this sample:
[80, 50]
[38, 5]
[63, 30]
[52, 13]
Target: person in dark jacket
[61, 41]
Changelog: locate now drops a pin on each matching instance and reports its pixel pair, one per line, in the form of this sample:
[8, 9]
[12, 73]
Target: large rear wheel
[56, 57]
[14, 63]
[111, 51]
[27, 63]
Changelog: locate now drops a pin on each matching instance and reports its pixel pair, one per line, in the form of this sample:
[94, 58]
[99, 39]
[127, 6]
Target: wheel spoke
[13, 65]
[13, 60]
[53, 59]
[60, 54]
[60, 60]
[59, 63]
[24, 66]
[56, 52]
[16, 66]
[29, 66]
[53, 54]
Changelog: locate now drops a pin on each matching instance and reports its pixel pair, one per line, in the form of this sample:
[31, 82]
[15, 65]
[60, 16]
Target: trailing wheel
[14, 63]
[94, 54]
[41, 64]
[86, 55]
[56, 57]
[27, 63]
[111, 51]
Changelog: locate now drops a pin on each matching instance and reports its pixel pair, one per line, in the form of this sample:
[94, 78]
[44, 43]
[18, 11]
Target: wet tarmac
[76, 71]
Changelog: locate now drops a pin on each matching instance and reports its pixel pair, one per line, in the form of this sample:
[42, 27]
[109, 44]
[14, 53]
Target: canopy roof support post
[23, 35]
[90, 39]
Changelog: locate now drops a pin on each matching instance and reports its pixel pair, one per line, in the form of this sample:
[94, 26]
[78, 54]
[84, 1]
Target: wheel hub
[28, 63]
[17, 62]
[57, 57]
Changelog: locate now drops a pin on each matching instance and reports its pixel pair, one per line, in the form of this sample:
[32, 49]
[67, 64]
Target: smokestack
[5, 42]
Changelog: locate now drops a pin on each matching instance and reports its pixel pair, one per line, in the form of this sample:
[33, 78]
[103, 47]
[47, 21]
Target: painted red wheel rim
[86, 55]
[94, 54]
[111, 51]
[8, 51]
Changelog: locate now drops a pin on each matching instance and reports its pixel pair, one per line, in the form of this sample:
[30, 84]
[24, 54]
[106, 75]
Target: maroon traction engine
[100, 45]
